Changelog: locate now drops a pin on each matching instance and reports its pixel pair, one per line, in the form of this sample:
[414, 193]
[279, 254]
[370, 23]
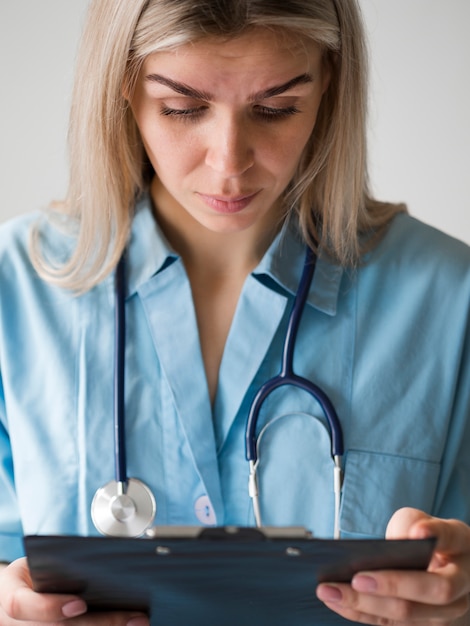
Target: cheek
[161, 144]
[286, 151]
[164, 148]
[171, 159]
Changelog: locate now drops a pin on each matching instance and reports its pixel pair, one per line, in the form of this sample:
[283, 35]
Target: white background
[419, 140]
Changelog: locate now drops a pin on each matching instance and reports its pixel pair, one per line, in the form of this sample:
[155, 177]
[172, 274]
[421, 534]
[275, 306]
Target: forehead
[260, 48]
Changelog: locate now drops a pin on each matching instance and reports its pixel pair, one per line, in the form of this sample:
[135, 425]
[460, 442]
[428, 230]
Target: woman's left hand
[437, 596]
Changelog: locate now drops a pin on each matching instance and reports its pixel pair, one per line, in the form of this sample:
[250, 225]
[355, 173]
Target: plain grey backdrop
[419, 129]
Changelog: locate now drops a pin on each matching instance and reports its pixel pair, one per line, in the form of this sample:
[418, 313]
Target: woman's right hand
[21, 606]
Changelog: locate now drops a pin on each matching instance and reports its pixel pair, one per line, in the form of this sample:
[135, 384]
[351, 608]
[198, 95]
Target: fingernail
[74, 608]
[364, 583]
[138, 621]
[328, 593]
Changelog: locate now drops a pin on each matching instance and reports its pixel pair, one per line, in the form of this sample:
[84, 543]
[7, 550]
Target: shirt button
[204, 511]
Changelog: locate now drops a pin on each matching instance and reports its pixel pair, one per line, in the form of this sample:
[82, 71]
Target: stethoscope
[126, 507]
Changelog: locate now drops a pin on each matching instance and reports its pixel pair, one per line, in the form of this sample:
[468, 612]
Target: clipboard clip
[229, 533]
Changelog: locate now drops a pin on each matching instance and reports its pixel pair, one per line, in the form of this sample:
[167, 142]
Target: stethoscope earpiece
[123, 510]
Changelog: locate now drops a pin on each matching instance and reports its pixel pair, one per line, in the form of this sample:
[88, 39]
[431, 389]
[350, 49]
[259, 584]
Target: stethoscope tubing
[336, 437]
[124, 507]
[120, 460]
[288, 377]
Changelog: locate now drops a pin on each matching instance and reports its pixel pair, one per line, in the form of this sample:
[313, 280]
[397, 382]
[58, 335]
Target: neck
[217, 264]
[213, 252]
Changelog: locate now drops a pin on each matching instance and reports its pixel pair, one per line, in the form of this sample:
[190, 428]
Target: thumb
[404, 524]
[20, 602]
[453, 536]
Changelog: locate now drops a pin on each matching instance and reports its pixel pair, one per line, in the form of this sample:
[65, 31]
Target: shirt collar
[148, 250]
[284, 261]
[149, 253]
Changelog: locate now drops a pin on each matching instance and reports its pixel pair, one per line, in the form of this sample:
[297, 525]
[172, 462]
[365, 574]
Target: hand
[21, 606]
[438, 596]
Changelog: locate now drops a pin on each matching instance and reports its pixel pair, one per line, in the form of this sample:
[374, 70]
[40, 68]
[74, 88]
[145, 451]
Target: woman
[211, 142]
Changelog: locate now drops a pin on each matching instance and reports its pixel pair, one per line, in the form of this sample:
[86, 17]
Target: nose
[230, 150]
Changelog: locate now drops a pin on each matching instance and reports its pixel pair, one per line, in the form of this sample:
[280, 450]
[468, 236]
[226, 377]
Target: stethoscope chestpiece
[123, 509]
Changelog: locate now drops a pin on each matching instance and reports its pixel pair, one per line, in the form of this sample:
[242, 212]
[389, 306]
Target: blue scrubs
[389, 342]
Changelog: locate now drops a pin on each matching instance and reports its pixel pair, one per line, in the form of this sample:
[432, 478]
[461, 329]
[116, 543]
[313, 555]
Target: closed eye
[265, 113]
[191, 113]
[272, 114]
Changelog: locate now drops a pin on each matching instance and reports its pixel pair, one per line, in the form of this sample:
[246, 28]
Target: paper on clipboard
[217, 576]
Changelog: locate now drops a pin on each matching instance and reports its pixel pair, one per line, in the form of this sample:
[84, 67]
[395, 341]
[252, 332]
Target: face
[224, 125]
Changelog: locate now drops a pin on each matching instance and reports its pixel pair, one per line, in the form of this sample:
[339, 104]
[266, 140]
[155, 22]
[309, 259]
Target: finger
[20, 602]
[453, 536]
[445, 587]
[109, 619]
[453, 544]
[89, 619]
[402, 521]
[372, 609]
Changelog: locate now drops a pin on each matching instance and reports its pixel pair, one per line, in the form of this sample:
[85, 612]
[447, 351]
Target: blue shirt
[389, 342]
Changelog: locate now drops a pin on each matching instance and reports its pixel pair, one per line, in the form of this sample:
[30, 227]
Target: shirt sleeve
[11, 532]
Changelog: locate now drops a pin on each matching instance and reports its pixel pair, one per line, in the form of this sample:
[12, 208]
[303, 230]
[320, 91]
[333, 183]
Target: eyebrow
[181, 88]
[302, 79]
[191, 92]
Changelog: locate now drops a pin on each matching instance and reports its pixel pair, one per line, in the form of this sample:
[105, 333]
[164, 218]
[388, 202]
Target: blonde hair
[108, 164]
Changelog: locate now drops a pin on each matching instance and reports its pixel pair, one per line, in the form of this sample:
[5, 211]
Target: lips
[228, 204]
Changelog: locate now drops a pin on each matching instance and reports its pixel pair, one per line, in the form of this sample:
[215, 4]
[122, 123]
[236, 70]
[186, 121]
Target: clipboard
[227, 576]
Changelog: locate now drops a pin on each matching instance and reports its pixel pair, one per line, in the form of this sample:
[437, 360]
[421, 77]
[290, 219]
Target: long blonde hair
[108, 164]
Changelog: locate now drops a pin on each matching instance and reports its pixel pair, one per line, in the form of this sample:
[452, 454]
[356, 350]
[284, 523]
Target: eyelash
[272, 114]
[267, 114]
